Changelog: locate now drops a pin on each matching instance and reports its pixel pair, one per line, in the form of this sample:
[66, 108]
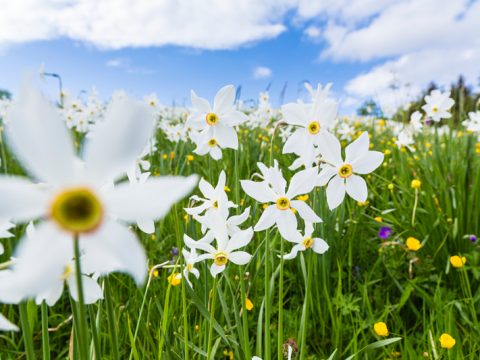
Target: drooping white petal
[206, 188]
[150, 200]
[239, 219]
[113, 248]
[119, 140]
[357, 188]
[21, 200]
[226, 136]
[239, 240]
[335, 192]
[330, 149]
[260, 191]
[319, 246]
[224, 99]
[293, 253]
[295, 114]
[239, 257]
[267, 219]
[302, 182]
[294, 143]
[52, 294]
[92, 292]
[286, 223]
[215, 270]
[40, 139]
[357, 149]
[305, 211]
[6, 325]
[325, 175]
[368, 162]
[216, 153]
[201, 104]
[147, 226]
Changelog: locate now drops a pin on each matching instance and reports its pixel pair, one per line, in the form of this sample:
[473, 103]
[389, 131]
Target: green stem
[280, 304]
[267, 354]
[415, 207]
[305, 308]
[45, 336]
[165, 318]
[212, 317]
[185, 320]
[82, 313]
[111, 319]
[27, 335]
[93, 327]
[246, 343]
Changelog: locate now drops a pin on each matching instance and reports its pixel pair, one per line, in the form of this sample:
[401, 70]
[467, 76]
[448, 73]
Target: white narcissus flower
[226, 251]
[191, 258]
[306, 241]
[282, 201]
[341, 175]
[145, 225]
[437, 105]
[405, 139]
[215, 124]
[473, 121]
[311, 122]
[416, 121]
[6, 325]
[71, 199]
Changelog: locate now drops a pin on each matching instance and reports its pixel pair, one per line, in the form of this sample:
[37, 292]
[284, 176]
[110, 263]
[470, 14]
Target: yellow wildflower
[248, 304]
[457, 261]
[416, 184]
[447, 341]
[175, 279]
[380, 328]
[378, 219]
[413, 244]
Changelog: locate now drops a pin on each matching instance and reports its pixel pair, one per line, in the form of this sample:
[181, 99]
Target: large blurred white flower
[71, 198]
[341, 175]
[274, 190]
[215, 124]
[437, 105]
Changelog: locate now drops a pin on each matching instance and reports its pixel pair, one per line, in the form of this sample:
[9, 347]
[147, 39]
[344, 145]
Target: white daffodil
[306, 241]
[405, 139]
[282, 201]
[145, 225]
[214, 200]
[226, 251]
[71, 199]
[215, 125]
[6, 325]
[191, 258]
[416, 121]
[232, 223]
[437, 105]
[341, 175]
[311, 122]
[473, 121]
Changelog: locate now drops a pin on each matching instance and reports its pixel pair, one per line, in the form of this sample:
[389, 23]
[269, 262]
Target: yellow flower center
[435, 109]
[67, 272]
[283, 203]
[189, 267]
[220, 258]
[308, 242]
[215, 204]
[212, 142]
[345, 171]
[314, 127]
[77, 210]
[211, 119]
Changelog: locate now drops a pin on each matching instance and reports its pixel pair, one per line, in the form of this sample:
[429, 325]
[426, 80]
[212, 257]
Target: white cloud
[262, 72]
[118, 62]
[113, 24]
[313, 32]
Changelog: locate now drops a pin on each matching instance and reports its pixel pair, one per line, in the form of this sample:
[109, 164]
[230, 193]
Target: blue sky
[169, 47]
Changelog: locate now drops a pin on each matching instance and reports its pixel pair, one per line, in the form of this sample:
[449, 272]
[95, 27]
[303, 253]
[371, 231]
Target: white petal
[52, 294]
[6, 325]
[224, 99]
[114, 248]
[286, 223]
[267, 219]
[357, 149]
[294, 143]
[92, 292]
[239, 219]
[240, 239]
[330, 149]
[259, 191]
[226, 136]
[215, 270]
[325, 175]
[149, 201]
[335, 192]
[302, 182]
[119, 140]
[293, 253]
[206, 188]
[216, 153]
[239, 257]
[319, 246]
[201, 104]
[295, 114]
[368, 162]
[357, 188]
[147, 226]
[305, 211]
[40, 139]
[21, 200]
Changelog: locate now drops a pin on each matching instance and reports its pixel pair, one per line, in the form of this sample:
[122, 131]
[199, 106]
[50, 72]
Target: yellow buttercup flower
[248, 304]
[447, 341]
[416, 184]
[190, 158]
[378, 219]
[413, 244]
[457, 261]
[175, 279]
[390, 187]
[381, 328]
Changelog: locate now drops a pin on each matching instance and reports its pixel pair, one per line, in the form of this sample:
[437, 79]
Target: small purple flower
[473, 238]
[428, 121]
[385, 232]
[174, 251]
